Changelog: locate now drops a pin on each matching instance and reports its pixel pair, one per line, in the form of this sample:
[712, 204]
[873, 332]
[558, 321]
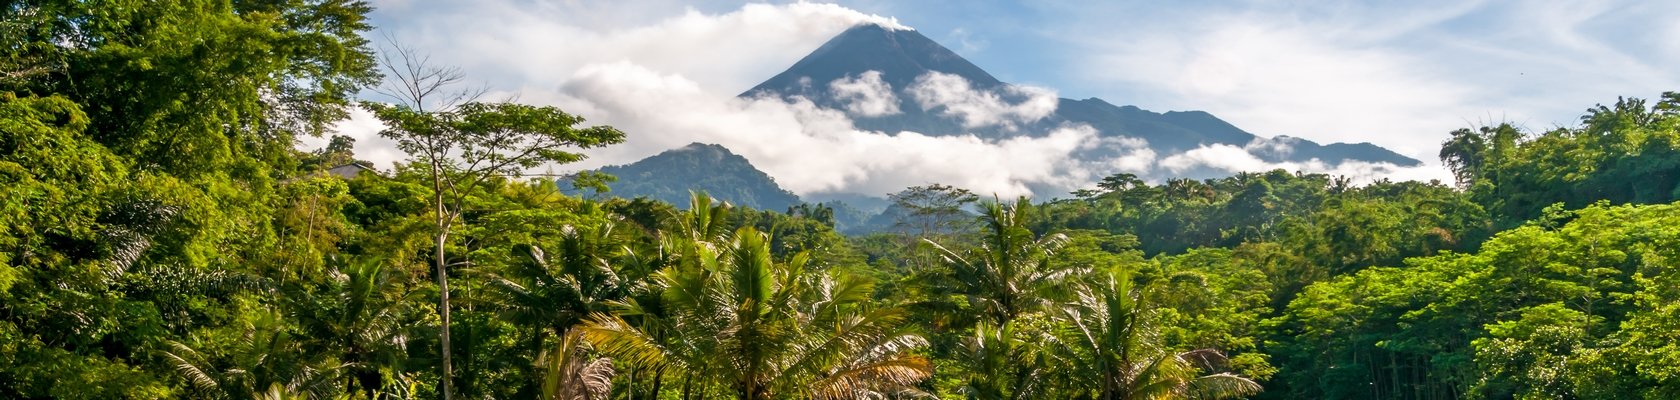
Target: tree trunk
[688, 381]
[658, 375]
[534, 382]
[631, 394]
[443, 285]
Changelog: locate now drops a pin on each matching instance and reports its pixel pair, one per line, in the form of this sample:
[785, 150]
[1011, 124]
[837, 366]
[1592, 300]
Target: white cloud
[1279, 146]
[1273, 79]
[364, 128]
[954, 96]
[1231, 159]
[1400, 75]
[516, 43]
[965, 42]
[814, 150]
[866, 95]
[1127, 154]
[1222, 156]
[671, 81]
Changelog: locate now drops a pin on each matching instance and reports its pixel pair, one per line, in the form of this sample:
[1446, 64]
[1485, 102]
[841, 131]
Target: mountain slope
[669, 176]
[901, 54]
[902, 58]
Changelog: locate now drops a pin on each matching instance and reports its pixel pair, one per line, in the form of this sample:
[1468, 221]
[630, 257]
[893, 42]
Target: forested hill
[905, 64]
[161, 237]
[670, 176]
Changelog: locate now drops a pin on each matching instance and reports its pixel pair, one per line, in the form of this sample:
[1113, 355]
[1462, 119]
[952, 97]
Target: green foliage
[1624, 153]
[930, 211]
[730, 319]
[1116, 351]
[161, 238]
[199, 87]
[139, 147]
[1536, 313]
[52, 179]
[1009, 274]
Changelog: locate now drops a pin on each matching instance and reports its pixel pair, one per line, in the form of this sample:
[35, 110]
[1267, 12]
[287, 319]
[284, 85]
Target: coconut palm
[1001, 363]
[551, 291]
[1007, 278]
[266, 362]
[703, 222]
[1009, 274]
[571, 373]
[1112, 350]
[734, 321]
[358, 313]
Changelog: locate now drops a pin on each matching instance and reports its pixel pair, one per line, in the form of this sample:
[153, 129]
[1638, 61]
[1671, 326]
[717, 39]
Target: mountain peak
[697, 146]
[890, 27]
[670, 175]
[900, 55]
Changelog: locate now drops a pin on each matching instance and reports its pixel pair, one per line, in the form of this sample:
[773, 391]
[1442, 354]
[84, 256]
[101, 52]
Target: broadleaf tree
[462, 146]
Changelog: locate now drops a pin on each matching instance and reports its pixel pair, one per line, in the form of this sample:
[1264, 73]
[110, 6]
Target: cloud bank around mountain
[672, 81]
[954, 96]
[866, 95]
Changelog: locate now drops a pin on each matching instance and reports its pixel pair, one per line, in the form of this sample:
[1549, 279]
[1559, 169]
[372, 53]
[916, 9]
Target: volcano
[911, 68]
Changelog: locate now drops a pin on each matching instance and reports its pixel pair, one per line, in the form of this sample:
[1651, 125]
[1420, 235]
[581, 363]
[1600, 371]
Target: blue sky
[1398, 74]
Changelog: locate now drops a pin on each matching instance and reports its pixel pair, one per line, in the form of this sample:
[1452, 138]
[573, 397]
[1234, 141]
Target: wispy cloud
[1227, 159]
[1007, 107]
[963, 41]
[514, 44]
[1278, 78]
[866, 95]
[1400, 75]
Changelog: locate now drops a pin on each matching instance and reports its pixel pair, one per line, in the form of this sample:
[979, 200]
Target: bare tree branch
[416, 82]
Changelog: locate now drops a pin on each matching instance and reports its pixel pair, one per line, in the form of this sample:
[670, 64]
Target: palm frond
[187, 362]
[571, 374]
[1221, 386]
[895, 374]
[612, 335]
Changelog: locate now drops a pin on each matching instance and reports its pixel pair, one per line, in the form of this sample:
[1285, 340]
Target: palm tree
[1002, 363]
[1183, 189]
[1006, 277]
[1114, 352]
[265, 363]
[1010, 273]
[734, 321]
[358, 314]
[1465, 153]
[570, 373]
[551, 293]
[704, 222]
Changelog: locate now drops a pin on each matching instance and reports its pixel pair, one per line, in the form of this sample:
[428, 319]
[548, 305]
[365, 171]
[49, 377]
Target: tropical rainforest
[161, 236]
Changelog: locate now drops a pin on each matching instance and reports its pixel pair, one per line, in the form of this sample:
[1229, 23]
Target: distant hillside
[669, 176]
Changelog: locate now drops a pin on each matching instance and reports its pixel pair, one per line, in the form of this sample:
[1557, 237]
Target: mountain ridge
[901, 58]
[671, 174]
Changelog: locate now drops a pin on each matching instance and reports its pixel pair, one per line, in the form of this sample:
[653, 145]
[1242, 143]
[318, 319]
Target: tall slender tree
[461, 146]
